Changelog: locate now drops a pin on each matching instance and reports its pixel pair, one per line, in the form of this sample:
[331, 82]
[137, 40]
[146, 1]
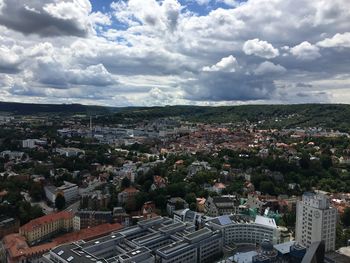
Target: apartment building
[92, 218]
[222, 205]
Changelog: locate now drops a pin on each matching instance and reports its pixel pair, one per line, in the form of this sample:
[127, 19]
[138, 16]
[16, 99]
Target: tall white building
[316, 220]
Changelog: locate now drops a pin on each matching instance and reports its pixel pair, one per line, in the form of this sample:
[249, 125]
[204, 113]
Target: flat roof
[246, 257]
[284, 248]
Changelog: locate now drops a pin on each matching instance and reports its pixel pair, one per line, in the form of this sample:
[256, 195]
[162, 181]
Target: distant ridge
[330, 116]
[31, 108]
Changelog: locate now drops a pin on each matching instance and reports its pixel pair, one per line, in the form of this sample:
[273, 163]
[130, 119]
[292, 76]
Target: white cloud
[338, 40]
[260, 48]
[226, 64]
[305, 51]
[229, 2]
[147, 50]
[268, 67]
[100, 18]
[203, 2]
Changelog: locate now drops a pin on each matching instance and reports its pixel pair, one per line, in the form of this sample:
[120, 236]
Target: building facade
[316, 221]
[237, 229]
[69, 190]
[46, 226]
[158, 239]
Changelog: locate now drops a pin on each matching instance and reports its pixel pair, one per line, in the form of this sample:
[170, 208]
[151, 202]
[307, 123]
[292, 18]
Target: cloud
[202, 2]
[9, 60]
[55, 18]
[338, 40]
[260, 48]
[146, 52]
[305, 51]
[226, 64]
[268, 67]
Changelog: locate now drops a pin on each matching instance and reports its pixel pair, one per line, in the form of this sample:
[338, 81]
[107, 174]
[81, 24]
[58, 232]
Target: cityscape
[174, 131]
[122, 187]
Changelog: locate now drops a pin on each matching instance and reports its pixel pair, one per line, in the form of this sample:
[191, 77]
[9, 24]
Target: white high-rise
[316, 220]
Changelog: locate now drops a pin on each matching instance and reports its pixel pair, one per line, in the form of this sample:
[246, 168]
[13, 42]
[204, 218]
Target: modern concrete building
[70, 151]
[69, 190]
[33, 143]
[316, 221]
[238, 229]
[154, 240]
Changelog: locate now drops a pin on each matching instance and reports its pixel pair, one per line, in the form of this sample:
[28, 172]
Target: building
[127, 195]
[8, 225]
[316, 221]
[266, 252]
[95, 200]
[222, 205]
[153, 240]
[69, 190]
[47, 226]
[238, 229]
[203, 245]
[33, 143]
[70, 152]
[15, 248]
[13, 155]
[175, 203]
[92, 218]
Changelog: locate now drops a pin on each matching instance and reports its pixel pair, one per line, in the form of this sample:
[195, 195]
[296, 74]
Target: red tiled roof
[130, 190]
[17, 246]
[88, 233]
[45, 220]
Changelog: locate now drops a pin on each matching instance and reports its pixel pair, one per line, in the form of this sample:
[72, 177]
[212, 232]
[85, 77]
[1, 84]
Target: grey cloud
[303, 85]
[29, 17]
[221, 86]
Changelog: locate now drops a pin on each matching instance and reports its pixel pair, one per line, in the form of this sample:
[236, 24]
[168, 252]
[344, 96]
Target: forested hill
[333, 116]
[31, 108]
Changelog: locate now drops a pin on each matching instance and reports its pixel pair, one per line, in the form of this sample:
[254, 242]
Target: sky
[170, 52]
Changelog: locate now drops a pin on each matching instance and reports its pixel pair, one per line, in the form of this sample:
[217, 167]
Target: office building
[316, 221]
[238, 229]
[153, 240]
[68, 190]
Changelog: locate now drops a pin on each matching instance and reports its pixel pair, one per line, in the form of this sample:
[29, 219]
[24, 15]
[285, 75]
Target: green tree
[125, 183]
[36, 191]
[60, 202]
[346, 217]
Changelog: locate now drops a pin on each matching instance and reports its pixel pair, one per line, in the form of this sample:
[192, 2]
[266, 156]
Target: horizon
[142, 53]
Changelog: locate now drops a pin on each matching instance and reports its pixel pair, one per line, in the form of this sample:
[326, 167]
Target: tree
[346, 217]
[36, 191]
[125, 183]
[190, 198]
[60, 202]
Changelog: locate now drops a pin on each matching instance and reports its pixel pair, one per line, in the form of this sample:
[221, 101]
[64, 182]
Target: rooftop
[38, 222]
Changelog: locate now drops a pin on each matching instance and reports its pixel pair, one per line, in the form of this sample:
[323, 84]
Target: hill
[31, 108]
[332, 116]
